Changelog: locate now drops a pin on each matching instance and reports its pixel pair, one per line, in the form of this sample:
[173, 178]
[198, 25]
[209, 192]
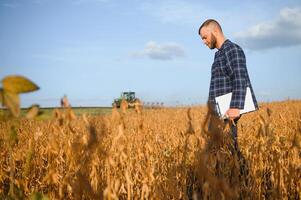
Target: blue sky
[92, 50]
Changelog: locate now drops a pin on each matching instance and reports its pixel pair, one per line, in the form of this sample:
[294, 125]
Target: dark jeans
[233, 132]
[243, 167]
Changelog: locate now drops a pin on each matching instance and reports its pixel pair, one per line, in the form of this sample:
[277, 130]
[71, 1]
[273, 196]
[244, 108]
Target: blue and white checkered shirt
[229, 74]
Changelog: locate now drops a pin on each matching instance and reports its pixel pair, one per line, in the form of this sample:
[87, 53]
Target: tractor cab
[128, 96]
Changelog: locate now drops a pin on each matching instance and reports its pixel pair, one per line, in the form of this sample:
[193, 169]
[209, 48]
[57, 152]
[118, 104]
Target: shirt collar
[223, 45]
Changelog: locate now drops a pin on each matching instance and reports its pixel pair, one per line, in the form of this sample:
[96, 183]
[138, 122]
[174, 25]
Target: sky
[92, 50]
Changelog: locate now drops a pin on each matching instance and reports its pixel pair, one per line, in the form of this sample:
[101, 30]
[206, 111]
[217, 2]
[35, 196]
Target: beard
[212, 44]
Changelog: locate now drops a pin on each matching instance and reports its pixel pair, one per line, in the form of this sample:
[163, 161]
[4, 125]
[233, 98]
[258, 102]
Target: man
[228, 73]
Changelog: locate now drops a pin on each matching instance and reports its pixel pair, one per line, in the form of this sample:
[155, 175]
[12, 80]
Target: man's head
[211, 33]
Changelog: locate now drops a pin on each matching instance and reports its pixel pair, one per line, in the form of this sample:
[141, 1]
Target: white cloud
[164, 51]
[281, 32]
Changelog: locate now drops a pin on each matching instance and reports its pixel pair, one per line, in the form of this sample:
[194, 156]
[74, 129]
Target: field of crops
[47, 113]
[164, 153]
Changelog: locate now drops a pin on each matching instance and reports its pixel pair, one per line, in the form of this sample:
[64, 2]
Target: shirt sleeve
[236, 61]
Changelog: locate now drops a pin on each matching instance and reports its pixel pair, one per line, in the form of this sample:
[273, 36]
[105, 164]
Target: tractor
[128, 96]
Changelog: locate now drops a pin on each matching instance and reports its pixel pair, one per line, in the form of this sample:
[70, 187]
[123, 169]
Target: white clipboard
[223, 103]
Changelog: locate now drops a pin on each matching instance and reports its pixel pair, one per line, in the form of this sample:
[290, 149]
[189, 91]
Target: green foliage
[38, 196]
[15, 192]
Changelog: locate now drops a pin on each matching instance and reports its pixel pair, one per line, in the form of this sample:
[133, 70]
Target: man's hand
[232, 113]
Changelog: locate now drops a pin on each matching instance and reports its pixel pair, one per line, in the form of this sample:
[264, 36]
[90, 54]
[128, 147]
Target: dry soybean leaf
[12, 102]
[13, 136]
[1, 96]
[33, 111]
[18, 84]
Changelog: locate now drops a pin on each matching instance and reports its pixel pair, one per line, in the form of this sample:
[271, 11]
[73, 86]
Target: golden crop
[165, 153]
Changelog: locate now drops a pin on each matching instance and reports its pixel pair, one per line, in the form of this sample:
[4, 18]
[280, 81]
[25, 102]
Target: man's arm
[236, 61]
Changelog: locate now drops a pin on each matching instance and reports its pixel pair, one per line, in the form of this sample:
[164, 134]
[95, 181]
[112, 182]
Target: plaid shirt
[229, 74]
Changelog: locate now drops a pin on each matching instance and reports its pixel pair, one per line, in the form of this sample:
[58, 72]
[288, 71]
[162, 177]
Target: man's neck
[220, 42]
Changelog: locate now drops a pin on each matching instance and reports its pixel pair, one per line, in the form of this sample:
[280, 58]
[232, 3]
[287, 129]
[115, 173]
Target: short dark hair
[208, 22]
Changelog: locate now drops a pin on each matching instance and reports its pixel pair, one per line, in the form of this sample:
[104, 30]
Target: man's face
[208, 38]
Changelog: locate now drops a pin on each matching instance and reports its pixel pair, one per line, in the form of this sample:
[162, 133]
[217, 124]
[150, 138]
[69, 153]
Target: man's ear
[215, 31]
